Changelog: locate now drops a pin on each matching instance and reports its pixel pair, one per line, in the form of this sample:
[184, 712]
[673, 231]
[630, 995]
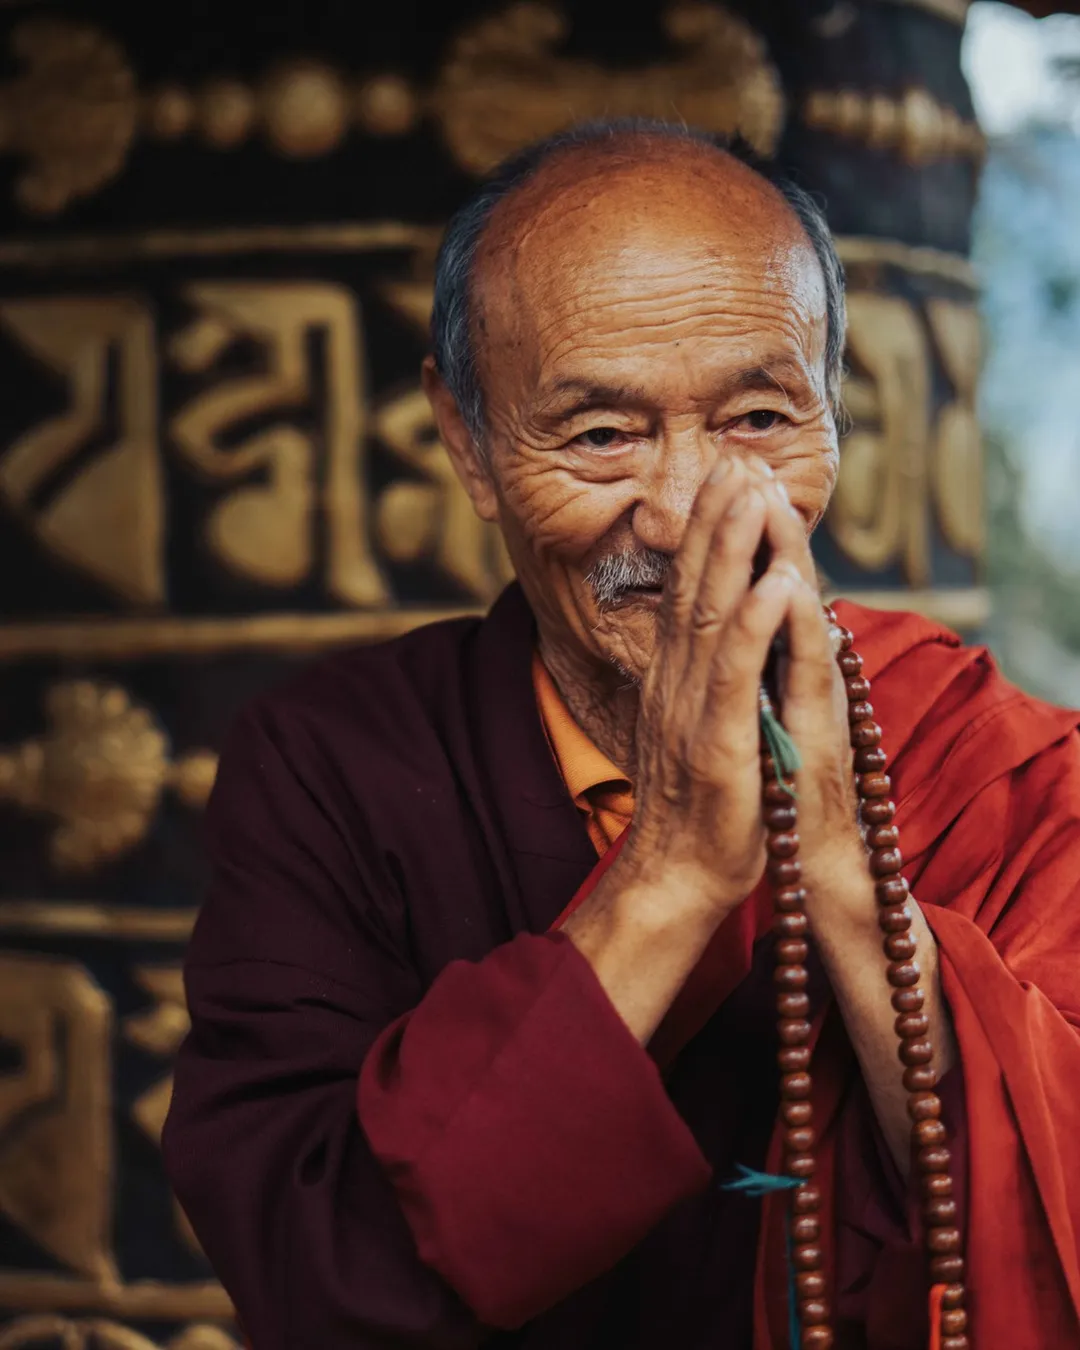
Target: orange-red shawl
[987, 785]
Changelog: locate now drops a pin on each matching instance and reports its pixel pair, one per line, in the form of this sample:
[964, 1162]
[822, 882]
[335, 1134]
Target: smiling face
[636, 317]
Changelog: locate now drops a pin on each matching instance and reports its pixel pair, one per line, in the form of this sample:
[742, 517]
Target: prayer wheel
[216, 252]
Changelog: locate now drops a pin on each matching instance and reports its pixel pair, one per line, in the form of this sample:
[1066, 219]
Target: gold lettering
[55, 1141]
[265, 528]
[879, 512]
[435, 518]
[108, 520]
[957, 459]
[159, 1031]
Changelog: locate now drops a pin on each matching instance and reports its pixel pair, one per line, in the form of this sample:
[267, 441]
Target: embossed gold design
[957, 457]
[916, 126]
[859, 253]
[74, 918]
[387, 105]
[71, 112]
[263, 528]
[305, 108]
[61, 1333]
[503, 85]
[124, 639]
[878, 512]
[889, 477]
[434, 517]
[108, 520]
[99, 770]
[143, 1300]
[55, 1145]
[77, 111]
[225, 113]
[159, 1031]
[222, 243]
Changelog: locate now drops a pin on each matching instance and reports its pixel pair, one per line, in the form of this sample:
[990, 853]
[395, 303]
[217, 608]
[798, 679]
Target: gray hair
[451, 316]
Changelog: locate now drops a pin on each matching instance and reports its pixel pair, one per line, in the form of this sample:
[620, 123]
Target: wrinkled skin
[651, 332]
[637, 318]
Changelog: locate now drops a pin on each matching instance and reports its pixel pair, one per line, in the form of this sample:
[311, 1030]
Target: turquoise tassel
[755, 1185]
[783, 749]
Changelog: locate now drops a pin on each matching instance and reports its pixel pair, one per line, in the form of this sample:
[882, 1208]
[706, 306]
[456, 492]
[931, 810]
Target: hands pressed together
[697, 820]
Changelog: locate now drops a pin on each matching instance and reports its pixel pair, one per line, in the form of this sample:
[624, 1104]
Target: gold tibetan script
[55, 1140]
[899, 461]
[107, 518]
[435, 517]
[265, 527]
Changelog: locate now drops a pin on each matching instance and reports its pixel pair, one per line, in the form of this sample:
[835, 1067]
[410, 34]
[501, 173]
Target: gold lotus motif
[100, 771]
[504, 85]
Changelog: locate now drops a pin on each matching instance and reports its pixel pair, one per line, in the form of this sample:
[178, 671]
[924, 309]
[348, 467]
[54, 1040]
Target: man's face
[634, 323]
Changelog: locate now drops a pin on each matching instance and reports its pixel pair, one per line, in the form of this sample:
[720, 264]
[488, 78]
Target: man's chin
[627, 637]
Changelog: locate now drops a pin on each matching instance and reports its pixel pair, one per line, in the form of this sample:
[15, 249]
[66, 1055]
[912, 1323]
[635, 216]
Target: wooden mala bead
[931, 1157]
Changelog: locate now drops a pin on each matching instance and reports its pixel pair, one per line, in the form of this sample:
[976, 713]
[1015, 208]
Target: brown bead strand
[928, 1134]
[791, 978]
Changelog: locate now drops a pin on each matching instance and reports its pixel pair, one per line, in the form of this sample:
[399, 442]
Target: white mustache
[613, 576]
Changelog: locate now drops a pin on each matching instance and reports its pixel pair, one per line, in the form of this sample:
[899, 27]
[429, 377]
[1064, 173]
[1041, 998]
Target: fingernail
[789, 569]
[759, 466]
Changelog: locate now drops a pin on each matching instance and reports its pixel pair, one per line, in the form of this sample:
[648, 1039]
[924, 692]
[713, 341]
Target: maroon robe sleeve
[516, 1133]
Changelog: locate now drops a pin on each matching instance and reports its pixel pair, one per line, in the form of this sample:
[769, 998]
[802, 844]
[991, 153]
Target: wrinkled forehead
[667, 249]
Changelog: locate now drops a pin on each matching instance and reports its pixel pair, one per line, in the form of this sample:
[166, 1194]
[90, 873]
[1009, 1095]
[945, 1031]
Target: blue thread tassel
[755, 1185]
[780, 745]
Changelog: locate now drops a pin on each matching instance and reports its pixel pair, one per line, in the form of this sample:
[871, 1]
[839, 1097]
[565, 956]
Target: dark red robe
[392, 842]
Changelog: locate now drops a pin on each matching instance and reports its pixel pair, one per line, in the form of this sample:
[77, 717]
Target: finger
[786, 532]
[739, 657]
[812, 685]
[725, 576]
[724, 484]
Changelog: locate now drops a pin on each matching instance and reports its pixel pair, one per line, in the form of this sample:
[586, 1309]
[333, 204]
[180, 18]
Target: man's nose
[669, 487]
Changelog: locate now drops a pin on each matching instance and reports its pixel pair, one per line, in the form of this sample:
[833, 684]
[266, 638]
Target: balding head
[554, 171]
[616, 311]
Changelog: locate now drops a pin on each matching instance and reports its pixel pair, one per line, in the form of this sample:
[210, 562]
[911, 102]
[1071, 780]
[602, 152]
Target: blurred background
[217, 231]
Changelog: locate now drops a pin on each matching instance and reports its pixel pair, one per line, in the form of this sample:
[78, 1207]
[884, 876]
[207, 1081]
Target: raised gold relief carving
[503, 85]
[265, 528]
[895, 465]
[99, 771]
[108, 520]
[916, 126]
[61, 1333]
[956, 457]
[55, 1141]
[76, 112]
[71, 113]
[159, 1031]
[434, 517]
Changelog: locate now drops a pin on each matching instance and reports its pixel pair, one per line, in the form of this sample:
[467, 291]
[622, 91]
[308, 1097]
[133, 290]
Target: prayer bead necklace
[791, 927]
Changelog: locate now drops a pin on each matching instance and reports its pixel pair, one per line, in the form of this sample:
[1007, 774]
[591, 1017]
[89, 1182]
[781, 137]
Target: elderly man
[428, 1102]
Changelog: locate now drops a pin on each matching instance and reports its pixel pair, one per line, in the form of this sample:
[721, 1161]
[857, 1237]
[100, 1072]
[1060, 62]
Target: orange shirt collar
[582, 764]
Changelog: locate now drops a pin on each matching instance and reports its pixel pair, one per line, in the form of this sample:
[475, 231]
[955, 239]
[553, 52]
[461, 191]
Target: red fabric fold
[524, 1046]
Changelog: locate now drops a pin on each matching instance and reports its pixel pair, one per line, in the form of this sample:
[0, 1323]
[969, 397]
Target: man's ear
[464, 453]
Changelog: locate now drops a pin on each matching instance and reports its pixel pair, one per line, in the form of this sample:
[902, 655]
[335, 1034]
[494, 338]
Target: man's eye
[762, 419]
[599, 438]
